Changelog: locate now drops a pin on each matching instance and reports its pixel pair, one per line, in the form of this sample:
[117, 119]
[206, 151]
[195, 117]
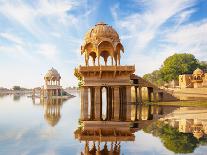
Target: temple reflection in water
[106, 137]
[103, 140]
[52, 109]
[189, 120]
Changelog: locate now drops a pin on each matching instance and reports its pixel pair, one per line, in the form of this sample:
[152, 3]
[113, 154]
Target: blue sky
[37, 35]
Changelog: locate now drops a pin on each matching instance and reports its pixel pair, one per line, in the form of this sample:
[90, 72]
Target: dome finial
[100, 23]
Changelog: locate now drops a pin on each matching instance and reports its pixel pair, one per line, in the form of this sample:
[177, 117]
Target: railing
[52, 87]
[107, 68]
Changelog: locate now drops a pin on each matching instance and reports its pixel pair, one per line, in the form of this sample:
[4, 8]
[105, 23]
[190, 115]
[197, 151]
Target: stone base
[104, 131]
[106, 125]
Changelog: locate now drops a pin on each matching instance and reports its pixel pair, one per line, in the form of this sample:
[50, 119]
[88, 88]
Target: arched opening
[117, 54]
[87, 50]
[104, 103]
[92, 58]
[104, 55]
[105, 49]
[110, 61]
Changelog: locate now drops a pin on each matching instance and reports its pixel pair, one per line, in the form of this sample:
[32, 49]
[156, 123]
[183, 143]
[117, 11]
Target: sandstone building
[196, 80]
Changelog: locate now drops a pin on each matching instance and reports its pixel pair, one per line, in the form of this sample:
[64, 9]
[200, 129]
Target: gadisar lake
[27, 127]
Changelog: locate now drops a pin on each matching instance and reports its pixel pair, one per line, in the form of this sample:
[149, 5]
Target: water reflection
[149, 112]
[52, 109]
[189, 120]
[103, 138]
[106, 137]
[16, 97]
[183, 130]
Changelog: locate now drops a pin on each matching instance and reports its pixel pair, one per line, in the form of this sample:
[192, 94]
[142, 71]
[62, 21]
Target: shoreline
[16, 92]
[189, 103]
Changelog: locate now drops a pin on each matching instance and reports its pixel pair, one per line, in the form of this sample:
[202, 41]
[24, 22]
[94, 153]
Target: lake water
[27, 128]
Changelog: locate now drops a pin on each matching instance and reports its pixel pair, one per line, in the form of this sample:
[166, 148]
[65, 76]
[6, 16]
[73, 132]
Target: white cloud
[149, 40]
[14, 50]
[191, 34]
[11, 37]
[31, 16]
[144, 26]
[49, 51]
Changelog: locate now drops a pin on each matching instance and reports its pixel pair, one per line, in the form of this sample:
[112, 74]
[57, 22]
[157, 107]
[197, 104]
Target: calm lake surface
[27, 129]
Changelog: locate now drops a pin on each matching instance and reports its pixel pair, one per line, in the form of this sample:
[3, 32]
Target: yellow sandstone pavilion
[102, 42]
[105, 80]
[102, 45]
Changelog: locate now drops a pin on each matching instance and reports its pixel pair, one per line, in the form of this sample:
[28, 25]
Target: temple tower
[104, 75]
[52, 85]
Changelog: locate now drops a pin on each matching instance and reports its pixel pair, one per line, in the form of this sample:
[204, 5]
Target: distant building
[52, 85]
[196, 80]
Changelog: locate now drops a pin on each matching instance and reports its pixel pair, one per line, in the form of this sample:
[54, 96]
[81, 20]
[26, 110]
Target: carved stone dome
[52, 74]
[101, 31]
[198, 71]
[102, 41]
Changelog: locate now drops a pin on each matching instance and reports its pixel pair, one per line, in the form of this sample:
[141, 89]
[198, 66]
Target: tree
[79, 77]
[203, 65]
[16, 88]
[154, 77]
[178, 64]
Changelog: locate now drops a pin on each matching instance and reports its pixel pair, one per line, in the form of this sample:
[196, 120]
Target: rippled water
[25, 128]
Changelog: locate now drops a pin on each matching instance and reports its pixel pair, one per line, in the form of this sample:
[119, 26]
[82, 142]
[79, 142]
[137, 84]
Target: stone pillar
[61, 92]
[84, 103]
[98, 56]
[149, 94]
[140, 95]
[49, 93]
[154, 96]
[136, 103]
[43, 92]
[140, 112]
[116, 101]
[92, 115]
[56, 92]
[97, 103]
[128, 103]
[33, 93]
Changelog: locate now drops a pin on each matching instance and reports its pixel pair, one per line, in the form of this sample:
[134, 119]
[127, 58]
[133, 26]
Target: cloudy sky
[36, 35]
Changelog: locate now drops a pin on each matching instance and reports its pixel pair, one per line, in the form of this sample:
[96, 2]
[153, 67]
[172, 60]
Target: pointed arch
[87, 48]
[105, 49]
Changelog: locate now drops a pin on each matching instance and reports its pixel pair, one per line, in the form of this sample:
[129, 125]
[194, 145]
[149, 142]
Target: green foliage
[154, 77]
[79, 77]
[203, 65]
[178, 64]
[172, 138]
[16, 88]
[173, 66]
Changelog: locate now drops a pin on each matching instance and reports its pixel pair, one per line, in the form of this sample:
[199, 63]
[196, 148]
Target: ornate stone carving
[102, 41]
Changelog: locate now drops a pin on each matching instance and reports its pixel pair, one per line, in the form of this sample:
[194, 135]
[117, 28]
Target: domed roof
[99, 34]
[198, 71]
[101, 31]
[52, 73]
